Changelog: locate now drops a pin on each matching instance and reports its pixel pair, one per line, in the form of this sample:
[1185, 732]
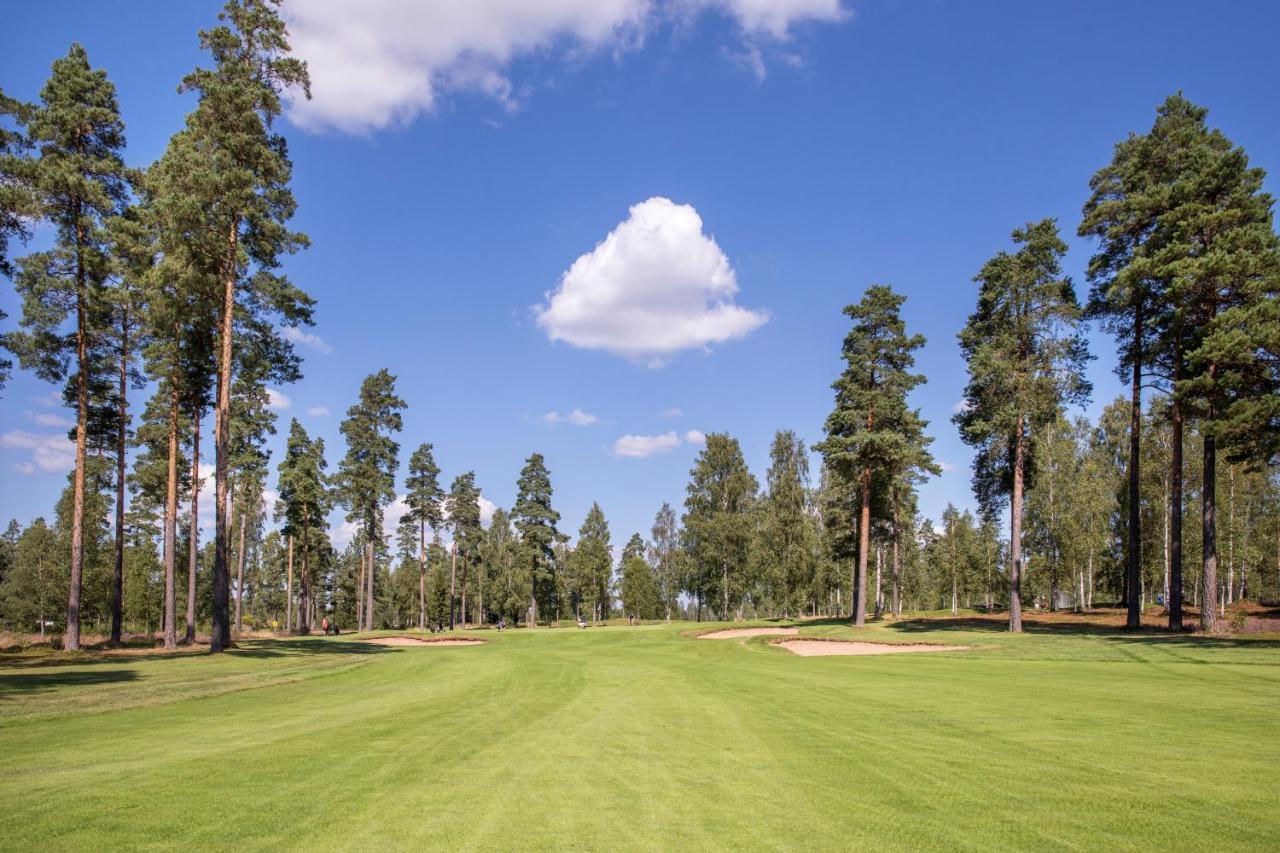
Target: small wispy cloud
[577, 417]
[52, 453]
[307, 339]
[641, 446]
[960, 407]
[50, 419]
[278, 400]
[673, 412]
[318, 411]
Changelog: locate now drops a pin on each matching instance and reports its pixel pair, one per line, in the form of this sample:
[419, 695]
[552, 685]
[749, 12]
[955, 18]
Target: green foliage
[717, 524]
[536, 521]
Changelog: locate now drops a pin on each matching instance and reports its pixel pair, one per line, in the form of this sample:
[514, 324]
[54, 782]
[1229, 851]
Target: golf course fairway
[641, 738]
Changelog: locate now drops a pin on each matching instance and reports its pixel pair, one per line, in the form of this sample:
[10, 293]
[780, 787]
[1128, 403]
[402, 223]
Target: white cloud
[945, 467]
[52, 453]
[673, 412]
[694, 436]
[775, 18]
[277, 400]
[393, 60]
[318, 411]
[656, 285]
[53, 398]
[297, 336]
[960, 407]
[50, 419]
[577, 417]
[640, 446]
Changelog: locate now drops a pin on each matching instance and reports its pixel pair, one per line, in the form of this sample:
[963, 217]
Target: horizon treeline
[166, 281]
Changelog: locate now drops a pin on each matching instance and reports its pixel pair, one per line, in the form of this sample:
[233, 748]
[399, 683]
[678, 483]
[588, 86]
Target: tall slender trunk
[304, 608]
[1229, 588]
[71, 637]
[193, 538]
[453, 583]
[122, 432]
[240, 573]
[1209, 532]
[360, 593]
[171, 526]
[897, 560]
[288, 589]
[864, 544]
[1133, 615]
[879, 597]
[1175, 501]
[724, 571]
[422, 576]
[368, 581]
[1015, 531]
[220, 633]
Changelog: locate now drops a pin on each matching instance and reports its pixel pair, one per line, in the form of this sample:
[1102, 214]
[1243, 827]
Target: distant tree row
[168, 279]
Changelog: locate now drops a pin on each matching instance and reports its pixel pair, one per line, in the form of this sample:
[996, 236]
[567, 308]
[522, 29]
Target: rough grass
[1072, 736]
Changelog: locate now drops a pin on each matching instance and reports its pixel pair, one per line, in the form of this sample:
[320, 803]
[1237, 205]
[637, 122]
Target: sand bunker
[815, 648]
[734, 633]
[423, 641]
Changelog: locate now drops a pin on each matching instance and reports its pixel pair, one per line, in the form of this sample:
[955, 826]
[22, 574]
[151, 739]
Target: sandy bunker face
[415, 641]
[817, 648]
[732, 633]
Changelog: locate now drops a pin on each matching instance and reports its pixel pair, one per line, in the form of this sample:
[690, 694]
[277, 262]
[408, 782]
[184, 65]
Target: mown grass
[640, 737]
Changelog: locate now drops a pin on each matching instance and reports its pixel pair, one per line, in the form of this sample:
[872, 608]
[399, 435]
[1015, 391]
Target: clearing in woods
[1067, 737]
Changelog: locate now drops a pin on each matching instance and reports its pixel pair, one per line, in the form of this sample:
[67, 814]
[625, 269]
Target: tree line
[167, 279]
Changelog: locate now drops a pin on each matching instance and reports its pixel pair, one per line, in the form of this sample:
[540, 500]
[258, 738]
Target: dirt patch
[816, 648]
[735, 633]
[424, 641]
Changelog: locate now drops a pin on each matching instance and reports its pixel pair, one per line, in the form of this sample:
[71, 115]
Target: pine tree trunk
[422, 576]
[171, 527]
[1175, 503]
[220, 633]
[71, 637]
[1209, 532]
[368, 580]
[453, 583]
[360, 594]
[1133, 616]
[879, 597]
[240, 574]
[864, 544]
[1229, 589]
[122, 432]
[897, 562]
[288, 589]
[193, 539]
[1015, 532]
[304, 609]
[464, 592]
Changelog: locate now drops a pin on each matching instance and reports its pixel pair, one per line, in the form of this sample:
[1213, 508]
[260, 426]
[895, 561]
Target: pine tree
[1026, 360]
[536, 521]
[235, 194]
[872, 434]
[717, 521]
[1221, 255]
[424, 499]
[463, 503]
[366, 478]
[17, 201]
[80, 182]
[304, 495]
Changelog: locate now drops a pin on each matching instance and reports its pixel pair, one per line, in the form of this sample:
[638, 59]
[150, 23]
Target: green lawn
[644, 738]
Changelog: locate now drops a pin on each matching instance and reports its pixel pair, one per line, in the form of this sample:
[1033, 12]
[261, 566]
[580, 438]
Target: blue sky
[451, 175]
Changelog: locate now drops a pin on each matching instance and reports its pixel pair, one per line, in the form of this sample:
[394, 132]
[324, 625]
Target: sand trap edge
[742, 633]
[822, 647]
[411, 642]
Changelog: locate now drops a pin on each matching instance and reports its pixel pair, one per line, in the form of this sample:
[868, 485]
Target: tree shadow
[308, 648]
[26, 684]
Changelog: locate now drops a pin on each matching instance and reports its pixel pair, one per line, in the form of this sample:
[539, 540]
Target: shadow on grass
[255, 649]
[25, 684]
